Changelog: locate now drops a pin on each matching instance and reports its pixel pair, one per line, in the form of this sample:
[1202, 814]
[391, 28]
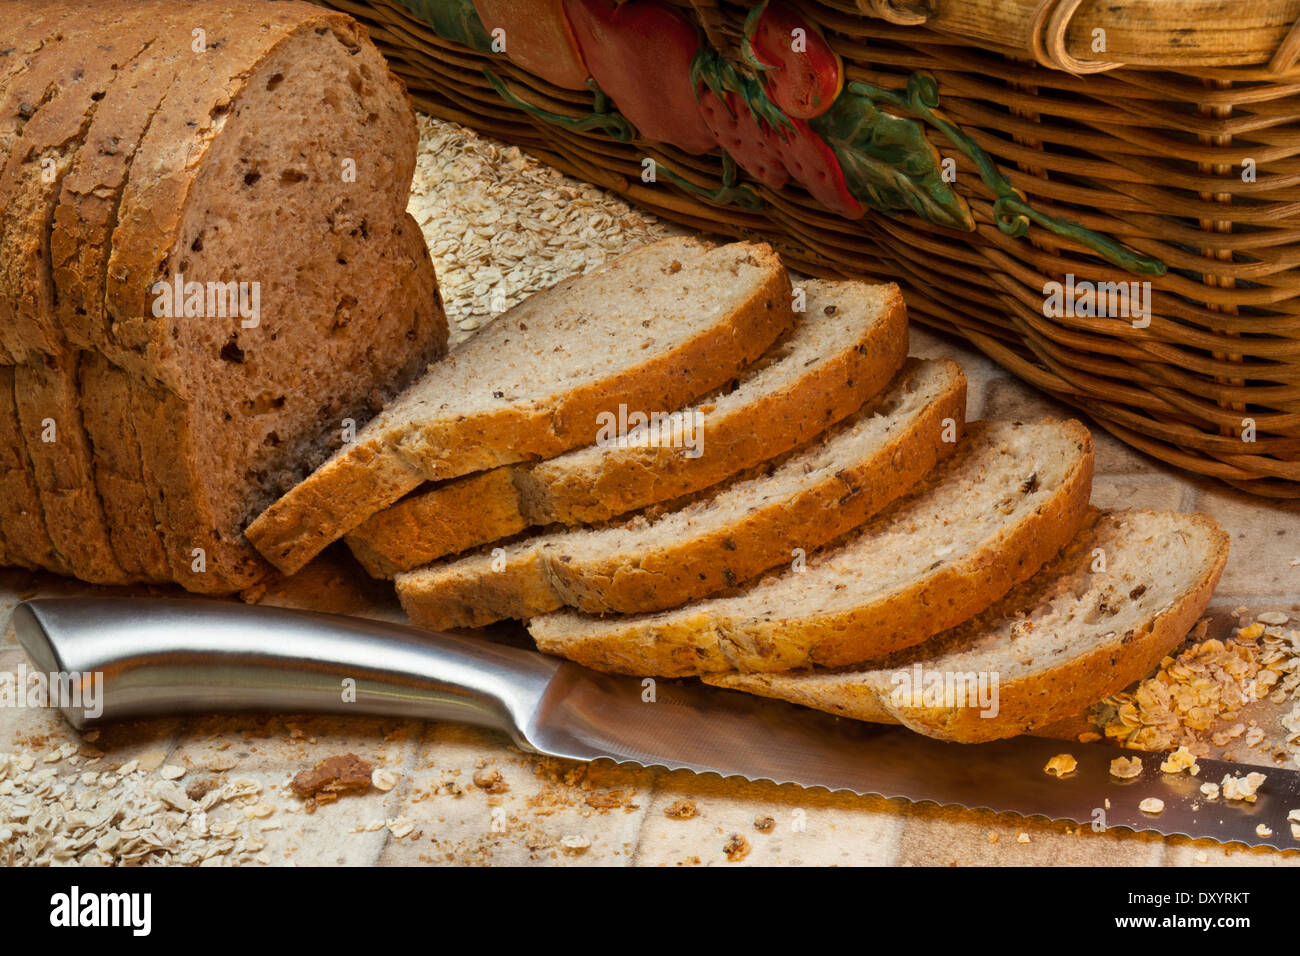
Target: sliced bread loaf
[721, 538]
[980, 523]
[845, 346]
[1102, 614]
[653, 329]
[73, 79]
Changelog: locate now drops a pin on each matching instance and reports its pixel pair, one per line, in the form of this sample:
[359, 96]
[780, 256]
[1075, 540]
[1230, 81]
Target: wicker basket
[1177, 157]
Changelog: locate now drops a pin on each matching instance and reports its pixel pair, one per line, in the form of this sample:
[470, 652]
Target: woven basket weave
[1146, 148]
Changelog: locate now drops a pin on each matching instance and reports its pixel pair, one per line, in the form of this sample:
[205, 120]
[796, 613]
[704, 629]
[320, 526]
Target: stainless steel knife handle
[168, 656]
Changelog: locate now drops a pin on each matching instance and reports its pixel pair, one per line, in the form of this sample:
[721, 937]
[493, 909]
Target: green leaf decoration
[454, 20]
[888, 162]
[614, 124]
[731, 193]
[1011, 210]
[719, 75]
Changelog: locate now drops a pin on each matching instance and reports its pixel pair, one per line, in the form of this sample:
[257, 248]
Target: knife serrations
[681, 725]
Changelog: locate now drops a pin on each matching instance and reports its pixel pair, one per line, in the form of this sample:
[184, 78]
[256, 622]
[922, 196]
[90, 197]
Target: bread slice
[653, 329]
[979, 524]
[721, 538]
[1101, 615]
[849, 342]
[27, 541]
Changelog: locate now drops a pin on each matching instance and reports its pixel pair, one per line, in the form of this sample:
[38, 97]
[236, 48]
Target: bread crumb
[490, 781]
[992, 837]
[736, 848]
[331, 778]
[1211, 791]
[1126, 768]
[1202, 857]
[1062, 765]
[1263, 831]
[1153, 805]
[1022, 837]
[680, 810]
[764, 824]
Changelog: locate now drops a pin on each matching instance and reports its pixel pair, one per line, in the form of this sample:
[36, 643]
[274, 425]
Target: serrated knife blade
[156, 657]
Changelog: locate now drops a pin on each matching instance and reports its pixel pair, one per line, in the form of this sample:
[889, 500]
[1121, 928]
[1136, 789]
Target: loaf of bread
[209, 278]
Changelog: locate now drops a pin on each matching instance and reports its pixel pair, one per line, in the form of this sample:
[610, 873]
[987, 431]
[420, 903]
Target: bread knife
[171, 656]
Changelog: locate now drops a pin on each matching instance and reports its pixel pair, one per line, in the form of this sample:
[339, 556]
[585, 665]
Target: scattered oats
[1022, 837]
[1061, 765]
[1242, 788]
[259, 811]
[1275, 618]
[1089, 737]
[25, 762]
[171, 772]
[384, 779]
[1263, 831]
[1126, 768]
[128, 768]
[575, 844]
[1152, 805]
[269, 825]
[1211, 791]
[400, 827]
[222, 762]
[152, 760]
[1180, 760]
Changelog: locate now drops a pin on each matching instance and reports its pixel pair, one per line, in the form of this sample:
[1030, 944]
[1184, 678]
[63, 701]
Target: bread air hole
[275, 81]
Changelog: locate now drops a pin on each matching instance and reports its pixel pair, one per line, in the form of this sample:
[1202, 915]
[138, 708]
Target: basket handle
[909, 14]
[1047, 39]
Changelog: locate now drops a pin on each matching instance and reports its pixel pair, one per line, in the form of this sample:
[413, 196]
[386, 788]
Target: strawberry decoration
[801, 74]
[814, 164]
[640, 54]
[726, 101]
[538, 38]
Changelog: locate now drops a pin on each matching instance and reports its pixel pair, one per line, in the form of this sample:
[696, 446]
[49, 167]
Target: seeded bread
[27, 542]
[850, 340]
[723, 537]
[230, 169]
[655, 328]
[72, 78]
[980, 523]
[1072, 634]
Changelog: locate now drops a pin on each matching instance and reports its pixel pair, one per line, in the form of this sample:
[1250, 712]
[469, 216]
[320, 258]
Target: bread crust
[380, 469]
[474, 510]
[694, 643]
[651, 578]
[1032, 703]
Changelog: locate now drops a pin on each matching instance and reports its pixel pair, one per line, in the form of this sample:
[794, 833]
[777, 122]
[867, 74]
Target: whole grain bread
[1101, 615]
[221, 163]
[980, 523]
[653, 329]
[845, 347]
[723, 536]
